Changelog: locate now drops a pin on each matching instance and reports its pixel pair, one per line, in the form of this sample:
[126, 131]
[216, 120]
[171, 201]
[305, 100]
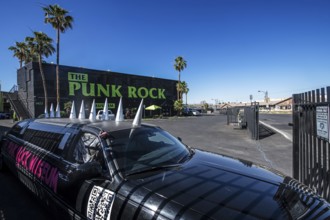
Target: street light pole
[266, 97]
[215, 103]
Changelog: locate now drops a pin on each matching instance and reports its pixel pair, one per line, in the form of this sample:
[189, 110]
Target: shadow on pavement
[264, 132]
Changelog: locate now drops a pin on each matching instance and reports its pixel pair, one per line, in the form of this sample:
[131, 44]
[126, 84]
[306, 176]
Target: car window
[157, 137]
[47, 140]
[87, 149]
[145, 147]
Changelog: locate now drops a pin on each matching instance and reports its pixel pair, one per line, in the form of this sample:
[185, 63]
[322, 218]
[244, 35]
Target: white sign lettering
[322, 122]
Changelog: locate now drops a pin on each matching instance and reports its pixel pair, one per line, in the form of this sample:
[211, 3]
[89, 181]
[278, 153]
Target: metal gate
[245, 117]
[311, 139]
[252, 120]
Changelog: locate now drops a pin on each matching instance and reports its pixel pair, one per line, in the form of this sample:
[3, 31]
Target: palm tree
[185, 89]
[31, 56]
[41, 44]
[20, 51]
[182, 88]
[58, 18]
[179, 66]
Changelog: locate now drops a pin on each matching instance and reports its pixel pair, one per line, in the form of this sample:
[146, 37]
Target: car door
[89, 177]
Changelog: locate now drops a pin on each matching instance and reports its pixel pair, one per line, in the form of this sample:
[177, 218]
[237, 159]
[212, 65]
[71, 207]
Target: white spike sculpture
[82, 111]
[73, 111]
[120, 114]
[92, 115]
[51, 111]
[105, 115]
[138, 116]
[46, 113]
[58, 111]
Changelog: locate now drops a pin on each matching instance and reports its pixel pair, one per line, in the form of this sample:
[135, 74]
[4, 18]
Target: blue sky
[233, 48]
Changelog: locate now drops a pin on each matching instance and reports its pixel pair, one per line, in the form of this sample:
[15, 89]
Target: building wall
[77, 84]
[25, 85]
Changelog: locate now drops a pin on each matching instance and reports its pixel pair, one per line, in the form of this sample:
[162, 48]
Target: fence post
[295, 136]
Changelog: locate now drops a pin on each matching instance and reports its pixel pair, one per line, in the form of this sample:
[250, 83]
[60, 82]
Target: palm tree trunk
[58, 67]
[43, 82]
[178, 92]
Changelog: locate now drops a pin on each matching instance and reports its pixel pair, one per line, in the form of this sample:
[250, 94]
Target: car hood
[219, 187]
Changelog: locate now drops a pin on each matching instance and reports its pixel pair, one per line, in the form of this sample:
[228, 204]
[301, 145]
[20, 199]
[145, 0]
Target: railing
[13, 89]
[311, 156]
[26, 107]
[232, 115]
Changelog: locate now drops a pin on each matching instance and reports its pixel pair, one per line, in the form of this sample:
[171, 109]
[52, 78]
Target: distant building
[77, 84]
[4, 103]
[285, 104]
[278, 104]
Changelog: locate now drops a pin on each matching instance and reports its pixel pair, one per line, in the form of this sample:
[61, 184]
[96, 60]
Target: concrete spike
[82, 111]
[120, 114]
[73, 111]
[51, 111]
[105, 115]
[92, 115]
[138, 116]
[58, 111]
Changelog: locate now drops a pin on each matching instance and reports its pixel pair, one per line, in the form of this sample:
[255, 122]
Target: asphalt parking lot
[210, 133]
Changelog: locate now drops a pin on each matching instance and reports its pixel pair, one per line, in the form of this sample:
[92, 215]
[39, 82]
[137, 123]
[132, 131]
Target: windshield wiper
[152, 169]
[185, 157]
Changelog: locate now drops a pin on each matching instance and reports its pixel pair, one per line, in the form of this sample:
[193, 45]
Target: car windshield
[146, 148]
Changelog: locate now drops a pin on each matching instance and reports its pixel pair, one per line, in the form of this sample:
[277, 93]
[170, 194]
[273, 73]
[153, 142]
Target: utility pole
[266, 98]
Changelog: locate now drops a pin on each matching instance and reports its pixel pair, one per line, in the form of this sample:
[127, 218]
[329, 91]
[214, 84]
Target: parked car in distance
[101, 116]
[187, 112]
[4, 115]
[86, 169]
[195, 112]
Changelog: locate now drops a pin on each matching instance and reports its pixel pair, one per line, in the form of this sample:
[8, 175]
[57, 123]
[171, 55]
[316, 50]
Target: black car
[121, 170]
[187, 112]
[4, 115]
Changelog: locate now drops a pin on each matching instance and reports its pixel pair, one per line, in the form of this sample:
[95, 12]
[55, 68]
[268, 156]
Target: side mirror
[179, 139]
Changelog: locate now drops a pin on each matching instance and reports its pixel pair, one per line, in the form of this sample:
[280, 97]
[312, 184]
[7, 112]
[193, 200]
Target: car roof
[108, 125]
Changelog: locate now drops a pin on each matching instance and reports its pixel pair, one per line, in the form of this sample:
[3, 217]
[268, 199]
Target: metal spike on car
[105, 115]
[92, 115]
[138, 116]
[82, 111]
[46, 113]
[73, 111]
[51, 111]
[58, 111]
[120, 115]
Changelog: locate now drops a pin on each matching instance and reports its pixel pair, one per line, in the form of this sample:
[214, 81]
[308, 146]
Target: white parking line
[284, 134]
